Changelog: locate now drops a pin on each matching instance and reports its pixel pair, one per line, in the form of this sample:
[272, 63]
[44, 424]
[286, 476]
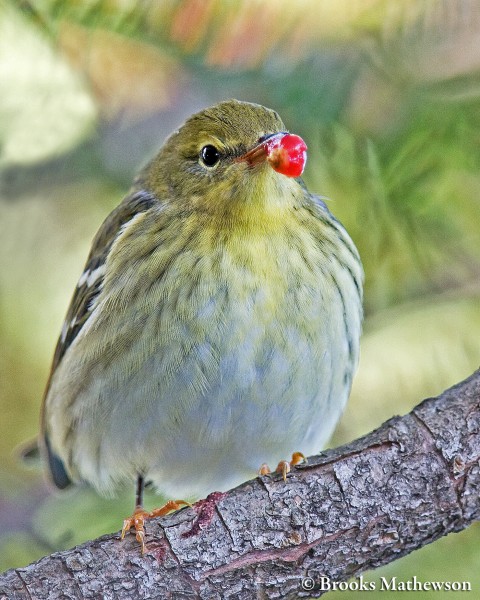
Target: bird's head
[227, 157]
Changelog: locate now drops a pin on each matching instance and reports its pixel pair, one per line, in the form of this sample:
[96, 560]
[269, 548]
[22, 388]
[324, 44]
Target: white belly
[206, 397]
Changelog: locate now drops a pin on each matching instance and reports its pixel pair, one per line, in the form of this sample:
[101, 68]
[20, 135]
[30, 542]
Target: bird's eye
[209, 155]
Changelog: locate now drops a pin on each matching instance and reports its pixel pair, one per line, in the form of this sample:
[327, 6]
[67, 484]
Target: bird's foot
[137, 520]
[284, 466]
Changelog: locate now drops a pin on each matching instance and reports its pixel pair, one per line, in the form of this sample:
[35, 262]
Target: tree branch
[350, 509]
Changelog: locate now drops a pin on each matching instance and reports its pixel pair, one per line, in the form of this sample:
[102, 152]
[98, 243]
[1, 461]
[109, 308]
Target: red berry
[287, 154]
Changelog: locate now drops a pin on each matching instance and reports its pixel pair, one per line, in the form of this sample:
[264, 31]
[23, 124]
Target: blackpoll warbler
[216, 324]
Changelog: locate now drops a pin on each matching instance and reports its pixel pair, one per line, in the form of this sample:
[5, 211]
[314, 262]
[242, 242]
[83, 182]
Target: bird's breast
[245, 343]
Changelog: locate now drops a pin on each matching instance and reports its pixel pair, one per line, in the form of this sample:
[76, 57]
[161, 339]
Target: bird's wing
[88, 288]
[91, 280]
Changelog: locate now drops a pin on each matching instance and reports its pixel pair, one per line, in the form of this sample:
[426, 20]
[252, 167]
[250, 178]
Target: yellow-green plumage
[223, 330]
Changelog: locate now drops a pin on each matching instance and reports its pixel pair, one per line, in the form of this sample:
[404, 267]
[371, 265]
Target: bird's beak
[286, 153]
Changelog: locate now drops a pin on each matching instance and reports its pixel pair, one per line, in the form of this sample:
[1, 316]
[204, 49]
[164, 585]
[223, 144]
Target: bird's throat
[261, 201]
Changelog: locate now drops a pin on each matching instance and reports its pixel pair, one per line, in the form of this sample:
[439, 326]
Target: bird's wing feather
[91, 280]
[88, 287]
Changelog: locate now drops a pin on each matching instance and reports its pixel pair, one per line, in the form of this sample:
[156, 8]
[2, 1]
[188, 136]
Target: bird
[216, 324]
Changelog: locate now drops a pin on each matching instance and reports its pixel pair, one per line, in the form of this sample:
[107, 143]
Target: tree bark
[350, 509]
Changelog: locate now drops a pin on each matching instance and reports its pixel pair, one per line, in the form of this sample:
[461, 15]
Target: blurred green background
[387, 95]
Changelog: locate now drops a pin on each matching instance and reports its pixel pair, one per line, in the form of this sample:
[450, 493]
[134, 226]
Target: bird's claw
[137, 520]
[284, 466]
